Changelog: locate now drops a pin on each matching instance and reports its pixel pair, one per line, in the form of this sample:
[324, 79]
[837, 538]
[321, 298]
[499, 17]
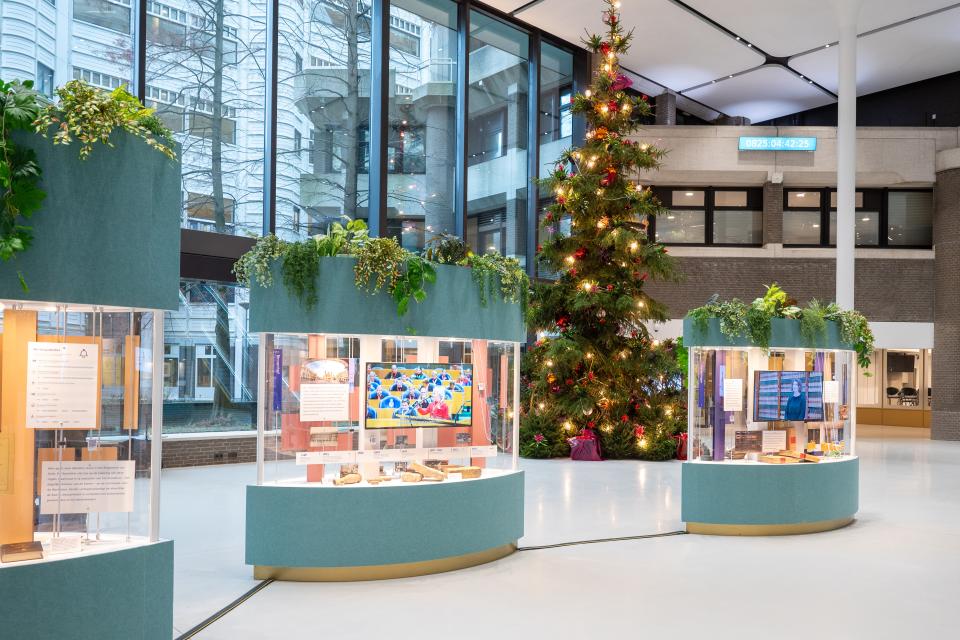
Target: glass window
[801, 227]
[556, 90]
[210, 92]
[679, 226]
[110, 14]
[210, 361]
[686, 198]
[902, 386]
[44, 83]
[737, 227]
[910, 218]
[867, 228]
[497, 137]
[804, 199]
[331, 95]
[729, 199]
[422, 110]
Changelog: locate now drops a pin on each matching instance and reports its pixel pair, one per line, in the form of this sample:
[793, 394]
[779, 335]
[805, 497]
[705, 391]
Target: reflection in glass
[497, 137]
[678, 226]
[205, 77]
[737, 227]
[323, 98]
[801, 227]
[910, 218]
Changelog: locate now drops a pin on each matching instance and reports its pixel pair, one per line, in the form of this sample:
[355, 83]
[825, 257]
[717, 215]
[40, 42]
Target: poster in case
[325, 390]
[409, 395]
[788, 395]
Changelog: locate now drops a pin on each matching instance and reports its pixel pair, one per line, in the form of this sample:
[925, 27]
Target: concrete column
[438, 192]
[848, 10]
[665, 108]
[945, 424]
[773, 213]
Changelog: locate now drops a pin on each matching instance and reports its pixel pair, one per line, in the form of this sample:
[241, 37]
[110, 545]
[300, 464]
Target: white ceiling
[678, 50]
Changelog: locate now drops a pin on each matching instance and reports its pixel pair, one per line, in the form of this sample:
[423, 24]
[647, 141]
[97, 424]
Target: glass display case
[345, 410]
[79, 410]
[776, 406]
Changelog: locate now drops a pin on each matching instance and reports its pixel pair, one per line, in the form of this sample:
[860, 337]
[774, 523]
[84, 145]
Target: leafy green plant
[20, 174]
[342, 239]
[257, 263]
[409, 283]
[446, 248]
[300, 266]
[492, 269]
[378, 264]
[855, 329]
[813, 323]
[90, 115]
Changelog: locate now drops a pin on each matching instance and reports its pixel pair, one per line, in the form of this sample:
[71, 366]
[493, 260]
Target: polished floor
[894, 573]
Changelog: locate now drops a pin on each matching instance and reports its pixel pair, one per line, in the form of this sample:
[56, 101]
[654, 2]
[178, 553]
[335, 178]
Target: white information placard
[489, 451]
[831, 391]
[773, 441]
[326, 457]
[732, 394]
[62, 385]
[325, 390]
[87, 486]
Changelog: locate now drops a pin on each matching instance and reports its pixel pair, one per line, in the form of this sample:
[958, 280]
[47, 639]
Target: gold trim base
[707, 529]
[382, 571]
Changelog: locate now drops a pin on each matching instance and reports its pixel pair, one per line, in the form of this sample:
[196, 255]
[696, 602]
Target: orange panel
[16, 507]
[131, 383]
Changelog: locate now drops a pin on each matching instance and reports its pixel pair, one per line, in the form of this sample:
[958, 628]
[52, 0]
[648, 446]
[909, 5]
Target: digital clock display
[769, 143]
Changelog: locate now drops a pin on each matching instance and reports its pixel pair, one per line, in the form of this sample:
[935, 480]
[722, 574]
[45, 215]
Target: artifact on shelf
[350, 478]
[428, 473]
[468, 473]
[411, 476]
[20, 551]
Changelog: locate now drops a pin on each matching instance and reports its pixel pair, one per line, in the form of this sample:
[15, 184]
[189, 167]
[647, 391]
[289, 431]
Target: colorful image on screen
[405, 395]
[788, 395]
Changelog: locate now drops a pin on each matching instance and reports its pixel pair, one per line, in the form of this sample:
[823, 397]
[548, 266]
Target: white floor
[894, 573]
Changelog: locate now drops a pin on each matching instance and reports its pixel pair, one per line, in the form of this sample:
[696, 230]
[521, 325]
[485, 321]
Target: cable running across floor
[556, 545]
[227, 609]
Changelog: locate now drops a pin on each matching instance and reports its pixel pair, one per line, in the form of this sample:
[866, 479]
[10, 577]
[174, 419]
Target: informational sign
[6, 463]
[733, 394]
[774, 441]
[325, 390]
[62, 385]
[748, 441]
[323, 436]
[87, 486]
[326, 457]
[277, 379]
[831, 391]
[777, 143]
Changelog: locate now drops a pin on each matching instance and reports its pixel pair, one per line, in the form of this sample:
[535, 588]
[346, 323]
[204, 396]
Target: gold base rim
[800, 528]
[382, 571]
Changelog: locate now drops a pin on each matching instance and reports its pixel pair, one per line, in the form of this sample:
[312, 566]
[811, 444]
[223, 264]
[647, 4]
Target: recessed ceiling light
[689, 194]
[749, 46]
[816, 226]
[729, 76]
[865, 219]
[826, 46]
[801, 195]
[738, 38]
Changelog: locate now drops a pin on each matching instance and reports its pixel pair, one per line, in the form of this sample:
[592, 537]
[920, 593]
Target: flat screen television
[418, 394]
[788, 395]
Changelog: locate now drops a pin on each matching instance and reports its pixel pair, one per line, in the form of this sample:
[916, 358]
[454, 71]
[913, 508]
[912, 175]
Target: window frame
[665, 195]
[874, 200]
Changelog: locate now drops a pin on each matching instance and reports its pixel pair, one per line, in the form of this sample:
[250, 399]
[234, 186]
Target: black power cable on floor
[227, 609]
[599, 540]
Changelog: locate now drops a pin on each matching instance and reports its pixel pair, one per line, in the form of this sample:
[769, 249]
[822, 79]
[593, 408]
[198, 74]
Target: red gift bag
[585, 446]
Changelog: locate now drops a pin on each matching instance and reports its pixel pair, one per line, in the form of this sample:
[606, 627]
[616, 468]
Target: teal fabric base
[452, 308]
[784, 333]
[108, 232]
[729, 493]
[380, 525]
[117, 595]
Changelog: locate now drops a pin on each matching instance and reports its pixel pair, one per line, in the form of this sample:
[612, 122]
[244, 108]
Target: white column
[848, 11]
[156, 423]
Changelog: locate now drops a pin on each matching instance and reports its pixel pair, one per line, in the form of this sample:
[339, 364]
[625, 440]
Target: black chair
[910, 396]
[893, 392]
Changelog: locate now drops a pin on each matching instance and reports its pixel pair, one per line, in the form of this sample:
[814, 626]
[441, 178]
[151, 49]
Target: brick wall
[887, 290]
[195, 452]
[945, 423]
[772, 213]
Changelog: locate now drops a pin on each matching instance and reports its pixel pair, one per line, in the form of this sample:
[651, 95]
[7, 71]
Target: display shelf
[355, 400]
[771, 448]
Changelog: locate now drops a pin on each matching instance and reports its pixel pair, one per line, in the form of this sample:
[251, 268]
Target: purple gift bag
[585, 446]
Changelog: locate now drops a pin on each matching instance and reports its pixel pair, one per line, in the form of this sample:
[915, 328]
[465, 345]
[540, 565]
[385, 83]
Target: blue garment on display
[390, 402]
[371, 412]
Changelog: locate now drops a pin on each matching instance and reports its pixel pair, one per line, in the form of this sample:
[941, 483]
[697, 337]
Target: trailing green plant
[90, 115]
[409, 283]
[257, 263]
[378, 264]
[20, 174]
[342, 239]
[754, 322]
[446, 248]
[494, 273]
[300, 266]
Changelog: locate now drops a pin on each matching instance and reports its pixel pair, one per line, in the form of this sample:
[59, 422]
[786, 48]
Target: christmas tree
[597, 371]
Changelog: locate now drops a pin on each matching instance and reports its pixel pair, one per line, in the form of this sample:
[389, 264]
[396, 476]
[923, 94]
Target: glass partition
[76, 404]
[785, 405]
[343, 410]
